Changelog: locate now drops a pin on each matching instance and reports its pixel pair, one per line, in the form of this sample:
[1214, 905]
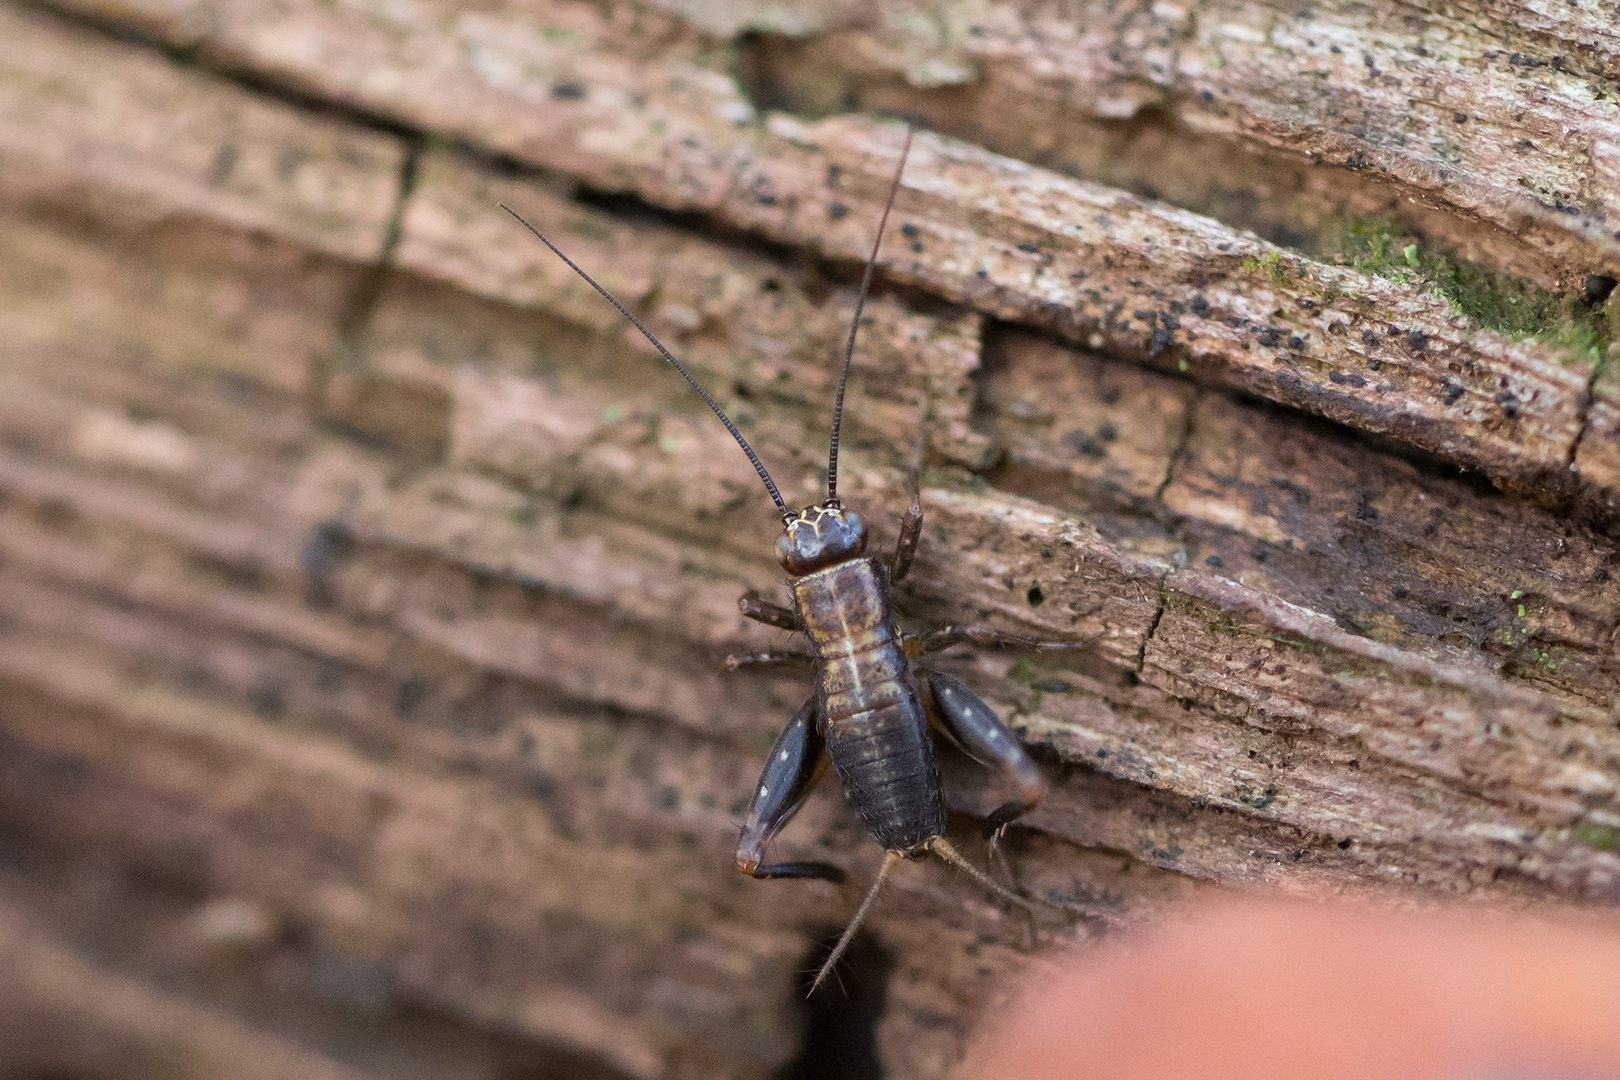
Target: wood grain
[365, 575]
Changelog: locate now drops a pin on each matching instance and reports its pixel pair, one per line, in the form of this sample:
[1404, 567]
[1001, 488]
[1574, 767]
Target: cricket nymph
[874, 723]
[870, 714]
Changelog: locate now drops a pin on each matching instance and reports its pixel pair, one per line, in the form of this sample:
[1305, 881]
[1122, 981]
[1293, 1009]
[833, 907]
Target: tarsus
[659, 345]
[855, 324]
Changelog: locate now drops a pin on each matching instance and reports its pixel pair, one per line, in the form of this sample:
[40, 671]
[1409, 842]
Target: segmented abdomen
[877, 732]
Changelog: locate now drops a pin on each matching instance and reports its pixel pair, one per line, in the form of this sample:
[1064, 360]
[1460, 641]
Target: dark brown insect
[870, 713]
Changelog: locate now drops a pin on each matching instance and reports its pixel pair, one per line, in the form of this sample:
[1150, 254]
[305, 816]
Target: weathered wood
[153, 141]
[1136, 278]
[60, 1014]
[1502, 113]
[358, 562]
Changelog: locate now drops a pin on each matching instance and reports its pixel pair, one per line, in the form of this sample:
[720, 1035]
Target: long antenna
[855, 324]
[659, 345]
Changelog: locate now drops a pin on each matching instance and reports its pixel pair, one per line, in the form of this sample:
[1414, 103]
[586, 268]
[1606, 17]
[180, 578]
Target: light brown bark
[359, 564]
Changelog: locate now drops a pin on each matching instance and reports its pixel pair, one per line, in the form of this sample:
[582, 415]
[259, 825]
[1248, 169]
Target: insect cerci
[871, 709]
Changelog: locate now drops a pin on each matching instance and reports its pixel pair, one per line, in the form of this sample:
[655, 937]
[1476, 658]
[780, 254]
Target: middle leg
[783, 618]
[768, 657]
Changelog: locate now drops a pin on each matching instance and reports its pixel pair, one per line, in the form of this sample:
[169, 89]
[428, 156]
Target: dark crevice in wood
[1584, 415]
[1153, 626]
[362, 301]
[1180, 450]
[841, 1018]
[197, 57]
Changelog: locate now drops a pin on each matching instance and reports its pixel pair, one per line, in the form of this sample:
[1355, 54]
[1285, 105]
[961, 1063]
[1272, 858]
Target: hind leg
[797, 763]
[975, 727]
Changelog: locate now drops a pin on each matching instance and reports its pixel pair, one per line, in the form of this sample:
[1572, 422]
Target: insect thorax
[846, 606]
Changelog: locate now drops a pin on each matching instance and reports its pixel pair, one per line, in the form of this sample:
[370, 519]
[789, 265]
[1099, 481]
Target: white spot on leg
[764, 791]
[782, 756]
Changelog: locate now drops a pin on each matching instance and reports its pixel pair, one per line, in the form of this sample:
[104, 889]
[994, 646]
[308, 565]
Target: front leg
[975, 727]
[797, 763]
[910, 532]
[783, 618]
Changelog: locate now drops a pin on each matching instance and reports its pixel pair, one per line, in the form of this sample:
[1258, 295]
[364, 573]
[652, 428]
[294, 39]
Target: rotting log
[364, 578]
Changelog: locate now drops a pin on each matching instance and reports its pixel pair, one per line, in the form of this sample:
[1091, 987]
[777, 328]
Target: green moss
[1491, 300]
[1022, 672]
[1598, 837]
[1271, 263]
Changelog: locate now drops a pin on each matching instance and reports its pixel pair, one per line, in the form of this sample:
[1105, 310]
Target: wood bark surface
[363, 579]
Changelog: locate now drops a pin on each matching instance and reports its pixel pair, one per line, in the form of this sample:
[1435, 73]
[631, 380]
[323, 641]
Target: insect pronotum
[870, 713]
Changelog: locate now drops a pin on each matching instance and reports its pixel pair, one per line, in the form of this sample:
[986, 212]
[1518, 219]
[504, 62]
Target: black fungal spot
[568, 91]
[325, 552]
[1085, 445]
[268, 699]
[836, 210]
[410, 696]
[1035, 597]
[219, 173]
[1029, 248]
